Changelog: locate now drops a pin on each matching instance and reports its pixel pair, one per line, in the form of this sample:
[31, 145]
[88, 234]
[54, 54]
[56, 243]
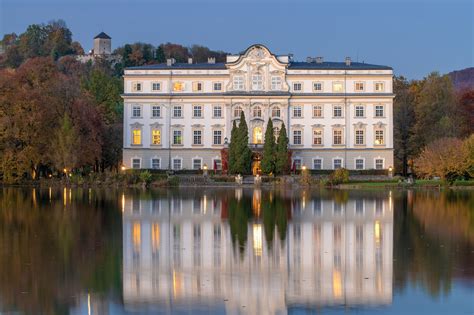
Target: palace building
[337, 114]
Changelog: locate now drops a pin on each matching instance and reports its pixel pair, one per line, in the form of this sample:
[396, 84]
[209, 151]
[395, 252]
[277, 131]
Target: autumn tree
[444, 157]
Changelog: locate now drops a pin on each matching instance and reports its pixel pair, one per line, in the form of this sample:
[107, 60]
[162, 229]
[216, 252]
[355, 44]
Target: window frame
[358, 109]
[198, 86]
[320, 108]
[177, 136]
[355, 163]
[297, 108]
[276, 86]
[379, 83]
[214, 131]
[300, 136]
[359, 134]
[137, 107]
[137, 86]
[240, 80]
[197, 134]
[214, 85]
[320, 137]
[199, 108]
[134, 136]
[377, 130]
[314, 163]
[321, 83]
[334, 163]
[177, 108]
[153, 136]
[359, 86]
[216, 108]
[153, 84]
[257, 82]
[294, 84]
[334, 90]
[180, 163]
[155, 108]
[341, 130]
[139, 163]
[378, 110]
[375, 163]
[334, 107]
[159, 163]
[200, 163]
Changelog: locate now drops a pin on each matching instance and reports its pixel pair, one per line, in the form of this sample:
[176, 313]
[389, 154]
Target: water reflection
[261, 250]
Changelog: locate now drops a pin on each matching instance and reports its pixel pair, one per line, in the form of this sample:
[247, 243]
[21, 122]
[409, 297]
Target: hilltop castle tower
[102, 44]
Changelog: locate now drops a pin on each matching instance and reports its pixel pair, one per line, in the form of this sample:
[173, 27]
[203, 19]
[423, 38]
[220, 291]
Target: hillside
[463, 78]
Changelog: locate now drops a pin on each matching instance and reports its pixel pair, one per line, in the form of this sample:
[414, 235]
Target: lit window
[197, 137]
[177, 137]
[197, 166]
[177, 164]
[317, 137]
[337, 87]
[136, 86]
[217, 137]
[337, 111]
[197, 86]
[257, 135]
[298, 86]
[379, 137]
[359, 164]
[156, 86]
[379, 164]
[217, 86]
[178, 86]
[297, 137]
[197, 111]
[156, 136]
[359, 86]
[276, 111]
[359, 111]
[238, 83]
[156, 111]
[379, 87]
[359, 137]
[317, 165]
[298, 111]
[237, 111]
[379, 111]
[317, 111]
[136, 136]
[257, 111]
[337, 163]
[317, 86]
[337, 136]
[136, 111]
[155, 163]
[217, 111]
[276, 83]
[177, 111]
[257, 82]
[136, 163]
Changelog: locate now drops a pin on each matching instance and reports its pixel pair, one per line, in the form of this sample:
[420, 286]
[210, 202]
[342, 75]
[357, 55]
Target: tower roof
[103, 36]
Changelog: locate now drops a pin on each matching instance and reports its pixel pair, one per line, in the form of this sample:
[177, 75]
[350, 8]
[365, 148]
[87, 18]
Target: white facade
[336, 114]
[180, 251]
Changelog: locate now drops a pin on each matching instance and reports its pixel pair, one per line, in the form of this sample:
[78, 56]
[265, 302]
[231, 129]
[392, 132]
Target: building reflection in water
[179, 251]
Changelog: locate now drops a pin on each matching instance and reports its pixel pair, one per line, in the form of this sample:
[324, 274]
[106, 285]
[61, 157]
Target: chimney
[190, 60]
[319, 59]
[309, 59]
[170, 62]
[348, 61]
[211, 60]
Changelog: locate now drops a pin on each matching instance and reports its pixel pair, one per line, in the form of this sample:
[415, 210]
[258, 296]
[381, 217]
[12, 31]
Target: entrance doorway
[256, 168]
[256, 160]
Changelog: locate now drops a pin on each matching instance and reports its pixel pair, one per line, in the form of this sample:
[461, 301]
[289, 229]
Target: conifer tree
[232, 148]
[268, 160]
[281, 164]
[243, 152]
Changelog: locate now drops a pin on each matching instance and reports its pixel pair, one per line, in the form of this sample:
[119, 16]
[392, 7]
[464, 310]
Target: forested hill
[463, 79]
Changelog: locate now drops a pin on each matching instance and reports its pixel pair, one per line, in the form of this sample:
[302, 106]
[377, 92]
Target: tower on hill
[102, 44]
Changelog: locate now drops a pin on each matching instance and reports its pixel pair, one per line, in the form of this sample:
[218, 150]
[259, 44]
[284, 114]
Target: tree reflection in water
[268, 250]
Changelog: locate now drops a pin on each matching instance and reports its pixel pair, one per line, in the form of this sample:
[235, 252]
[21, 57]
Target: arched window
[237, 111]
[257, 135]
[257, 111]
[276, 111]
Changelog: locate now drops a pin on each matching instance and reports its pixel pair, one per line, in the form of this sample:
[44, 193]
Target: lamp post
[390, 171]
[204, 170]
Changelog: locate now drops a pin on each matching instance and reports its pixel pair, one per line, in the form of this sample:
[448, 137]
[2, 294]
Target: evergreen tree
[281, 164]
[232, 148]
[127, 51]
[243, 153]
[160, 55]
[268, 160]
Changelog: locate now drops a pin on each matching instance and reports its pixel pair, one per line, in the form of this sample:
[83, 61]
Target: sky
[415, 37]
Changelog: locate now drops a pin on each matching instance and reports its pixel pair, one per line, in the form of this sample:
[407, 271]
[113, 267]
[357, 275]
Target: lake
[236, 251]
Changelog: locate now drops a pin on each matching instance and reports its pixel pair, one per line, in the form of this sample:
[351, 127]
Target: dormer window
[257, 82]
[238, 83]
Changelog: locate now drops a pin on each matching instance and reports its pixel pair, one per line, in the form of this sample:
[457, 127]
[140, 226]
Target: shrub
[145, 177]
[339, 176]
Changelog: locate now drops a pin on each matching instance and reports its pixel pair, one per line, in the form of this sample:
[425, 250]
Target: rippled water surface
[236, 251]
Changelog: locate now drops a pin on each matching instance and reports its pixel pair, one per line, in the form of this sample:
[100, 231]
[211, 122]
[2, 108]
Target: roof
[293, 65]
[103, 36]
[218, 65]
[329, 65]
